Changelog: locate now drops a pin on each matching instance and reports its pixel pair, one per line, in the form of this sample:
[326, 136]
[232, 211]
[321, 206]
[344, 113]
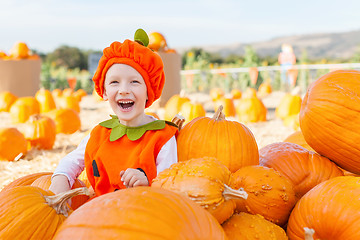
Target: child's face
[126, 91]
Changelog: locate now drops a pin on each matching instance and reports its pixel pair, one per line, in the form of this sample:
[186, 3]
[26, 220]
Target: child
[131, 148]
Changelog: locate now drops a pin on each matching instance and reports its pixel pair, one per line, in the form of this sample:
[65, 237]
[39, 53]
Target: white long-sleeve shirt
[73, 163]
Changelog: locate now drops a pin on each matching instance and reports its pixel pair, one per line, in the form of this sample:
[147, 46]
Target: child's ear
[105, 97]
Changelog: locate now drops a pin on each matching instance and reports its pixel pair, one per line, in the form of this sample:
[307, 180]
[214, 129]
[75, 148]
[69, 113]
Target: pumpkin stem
[309, 233]
[219, 115]
[59, 201]
[178, 120]
[230, 193]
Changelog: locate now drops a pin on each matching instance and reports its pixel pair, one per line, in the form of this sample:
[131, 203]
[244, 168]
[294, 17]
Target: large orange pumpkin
[67, 120]
[140, 213]
[205, 181]
[330, 119]
[252, 227]
[13, 144]
[304, 168]
[40, 131]
[270, 194]
[6, 100]
[330, 210]
[28, 212]
[230, 142]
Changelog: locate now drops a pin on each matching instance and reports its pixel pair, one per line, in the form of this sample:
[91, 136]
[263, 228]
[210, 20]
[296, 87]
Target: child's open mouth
[126, 105]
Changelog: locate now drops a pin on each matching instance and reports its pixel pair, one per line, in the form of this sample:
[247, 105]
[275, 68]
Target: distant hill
[325, 45]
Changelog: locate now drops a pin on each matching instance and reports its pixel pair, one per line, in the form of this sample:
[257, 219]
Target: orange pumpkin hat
[143, 59]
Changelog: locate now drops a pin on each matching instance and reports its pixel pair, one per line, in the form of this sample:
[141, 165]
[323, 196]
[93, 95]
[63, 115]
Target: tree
[69, 57]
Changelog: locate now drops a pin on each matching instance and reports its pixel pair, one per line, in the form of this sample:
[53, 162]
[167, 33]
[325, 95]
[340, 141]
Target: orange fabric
[143, 59]
[113, 157]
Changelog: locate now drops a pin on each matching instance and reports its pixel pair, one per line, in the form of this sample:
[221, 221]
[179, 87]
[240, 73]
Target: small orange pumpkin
[249, 226]
[173, 106]
[228, 104]
[20, 50]
[270, 194]
[289, 105]
[157, 41]
[251, 109]
[45, 99]
[40, 131]
[13, 144]
[216, 93]
[191, 110]
[68, 101]
[236, 93]
[6, 100]
[67, 120]
[23, 108]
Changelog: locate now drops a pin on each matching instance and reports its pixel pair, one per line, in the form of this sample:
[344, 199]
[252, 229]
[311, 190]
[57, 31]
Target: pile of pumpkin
[19, 51]
[223, 186]
[37, 120]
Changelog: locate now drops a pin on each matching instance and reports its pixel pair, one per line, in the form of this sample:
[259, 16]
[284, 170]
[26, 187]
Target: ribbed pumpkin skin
[44, 182]
[140, 213]
[330, 118]
[252, 227]
[230, 142]
[331, 209]
[25, 215]
[270, 194]
[304, 168]
[201, 180]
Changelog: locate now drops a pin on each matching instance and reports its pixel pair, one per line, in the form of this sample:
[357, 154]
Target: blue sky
[88, 24]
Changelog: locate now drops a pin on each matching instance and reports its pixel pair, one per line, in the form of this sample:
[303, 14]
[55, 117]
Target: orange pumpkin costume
[105, 159]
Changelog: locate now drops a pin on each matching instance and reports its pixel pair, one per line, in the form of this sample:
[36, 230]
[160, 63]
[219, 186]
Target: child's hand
[133, 177]
[59, 183]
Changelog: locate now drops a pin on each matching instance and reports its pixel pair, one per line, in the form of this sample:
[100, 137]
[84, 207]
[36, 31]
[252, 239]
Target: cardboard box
[172, 67]
[20, 77]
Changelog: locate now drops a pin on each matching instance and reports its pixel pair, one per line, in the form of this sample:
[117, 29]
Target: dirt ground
[93, 112]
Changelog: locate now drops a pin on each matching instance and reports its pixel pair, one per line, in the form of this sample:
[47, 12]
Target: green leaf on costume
[141, 37]
[111, 123]
[116, 133]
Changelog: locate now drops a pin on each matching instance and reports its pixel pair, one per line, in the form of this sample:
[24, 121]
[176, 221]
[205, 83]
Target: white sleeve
[167, 155]
[73, 163]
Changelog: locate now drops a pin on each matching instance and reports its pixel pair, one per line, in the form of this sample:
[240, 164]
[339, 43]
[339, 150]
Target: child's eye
[113, 82]
[135, 81]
